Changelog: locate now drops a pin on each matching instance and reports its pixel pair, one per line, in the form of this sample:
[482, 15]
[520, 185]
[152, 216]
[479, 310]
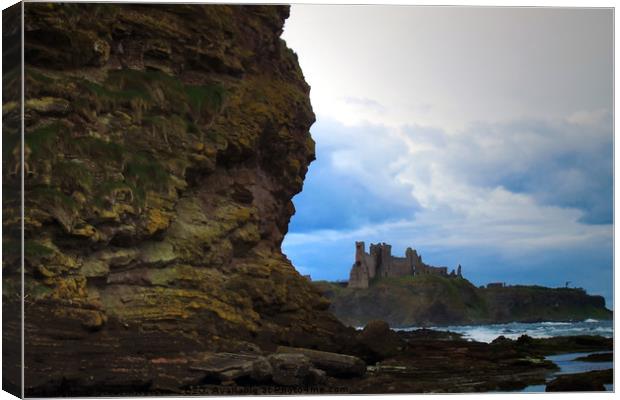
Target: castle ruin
[381, 264]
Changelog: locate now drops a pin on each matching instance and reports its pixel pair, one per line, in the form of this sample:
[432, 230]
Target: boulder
[226, 367]
[524, 340]
[572, 384]
[287, 369]
[592, 381]
[597, 357]
[291, 369]
[333, 364]
[317, 377]
[376, 328]
[501, 340]
[379, 341]
[261, 370]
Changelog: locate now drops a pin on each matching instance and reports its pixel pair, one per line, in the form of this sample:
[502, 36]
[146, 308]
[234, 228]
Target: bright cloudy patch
[481, 136]
[558, 163]
[365, 104]
[454, 191]
[423, 187]
[448, 66]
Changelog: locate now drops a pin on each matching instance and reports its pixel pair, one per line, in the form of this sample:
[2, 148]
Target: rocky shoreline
[379, 360]
[592, 381]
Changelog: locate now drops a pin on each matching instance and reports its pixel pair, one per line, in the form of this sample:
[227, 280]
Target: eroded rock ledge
[163, 147]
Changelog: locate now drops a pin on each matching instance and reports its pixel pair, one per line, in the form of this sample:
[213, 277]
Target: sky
[479, 136]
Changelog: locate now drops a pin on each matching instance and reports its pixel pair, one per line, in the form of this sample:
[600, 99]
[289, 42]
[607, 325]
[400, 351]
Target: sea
[512, 330]
[567, 362]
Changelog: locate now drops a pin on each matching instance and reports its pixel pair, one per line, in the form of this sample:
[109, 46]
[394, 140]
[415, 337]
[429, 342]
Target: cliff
[437, 300]
[163, 145]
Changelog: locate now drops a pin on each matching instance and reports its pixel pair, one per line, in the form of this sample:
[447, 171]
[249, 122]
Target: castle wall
[424, 269]
[358, 278]
[381, 263]
[400, 267]
[371, 265]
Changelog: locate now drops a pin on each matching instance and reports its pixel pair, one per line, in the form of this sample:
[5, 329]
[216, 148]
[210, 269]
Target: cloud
[585, 117]
[555, 162]
[365, 104]
[477, 63]
[484, 139]
[517, 193]
[499, 227]
[540, 172]
[353, 182]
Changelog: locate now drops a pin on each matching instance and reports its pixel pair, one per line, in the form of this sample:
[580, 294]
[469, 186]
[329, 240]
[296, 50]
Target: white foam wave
[488, 333]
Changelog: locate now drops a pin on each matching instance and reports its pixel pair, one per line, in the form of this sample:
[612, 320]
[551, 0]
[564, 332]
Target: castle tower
[458, 271]
[410, 259]
[374, 263]
[375, 250]
[358, 278]
[360, 249]
[416, 262]
[386, 259]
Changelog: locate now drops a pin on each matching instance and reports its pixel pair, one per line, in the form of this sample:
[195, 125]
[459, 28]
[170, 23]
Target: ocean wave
[512, 330]
[591, 320]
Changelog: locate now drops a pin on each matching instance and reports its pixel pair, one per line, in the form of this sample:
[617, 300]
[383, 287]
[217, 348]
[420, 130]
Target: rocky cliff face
[436, 300]
[163, 146]
[11, 204]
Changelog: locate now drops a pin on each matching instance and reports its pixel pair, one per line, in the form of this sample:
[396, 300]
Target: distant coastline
[435, 300]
